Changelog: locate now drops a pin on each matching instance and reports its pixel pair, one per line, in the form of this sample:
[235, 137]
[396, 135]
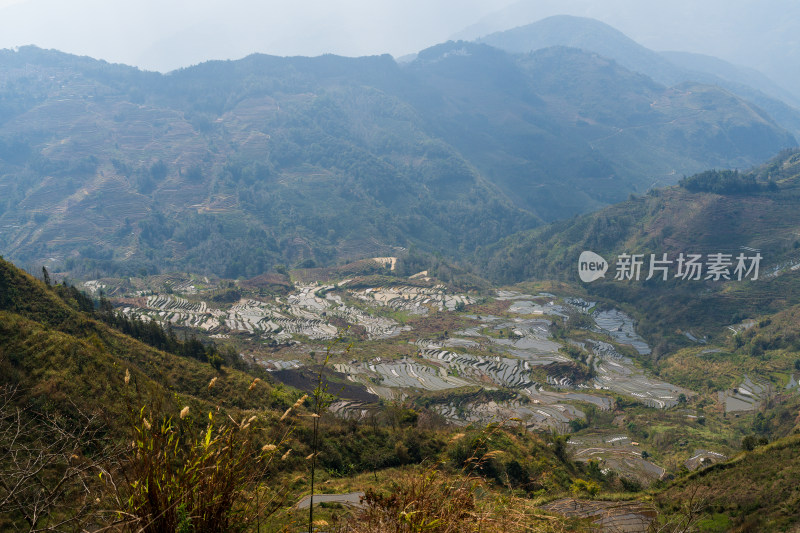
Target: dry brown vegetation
[431, 500]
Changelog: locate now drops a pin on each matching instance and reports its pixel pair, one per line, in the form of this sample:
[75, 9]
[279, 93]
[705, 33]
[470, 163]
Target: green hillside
[755, 491]
[74, 392]
[756, 210]
[51, 346]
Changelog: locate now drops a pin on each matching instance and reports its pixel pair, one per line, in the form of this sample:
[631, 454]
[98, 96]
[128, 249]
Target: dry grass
[431, 500]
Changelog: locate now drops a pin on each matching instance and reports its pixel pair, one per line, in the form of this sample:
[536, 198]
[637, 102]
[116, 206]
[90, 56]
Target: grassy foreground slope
[49, 345]
[86, 415]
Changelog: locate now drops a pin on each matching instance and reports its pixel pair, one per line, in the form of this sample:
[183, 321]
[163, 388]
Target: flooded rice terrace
[510, 351]
[529, 344]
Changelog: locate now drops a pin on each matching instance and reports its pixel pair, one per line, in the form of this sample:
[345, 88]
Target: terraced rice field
[529, 344]
[495, 352]
[703, 458]
[617, 453]
[383, 378]
[273, 365]
[178, 311]
[617, 517]
[746, 397]
[414, 300]
[351, 410]
[619, 374]
[301, 313]
[555, 416]
[436, 368]
[621, 328]
[524, 304]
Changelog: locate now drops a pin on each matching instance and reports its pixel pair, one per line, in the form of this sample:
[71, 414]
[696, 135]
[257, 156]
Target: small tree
[49, 464]
[216, 360]
[589, 488]
[321, 400]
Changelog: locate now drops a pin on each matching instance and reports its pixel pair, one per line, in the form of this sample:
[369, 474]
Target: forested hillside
[235, 167]
[713, 212]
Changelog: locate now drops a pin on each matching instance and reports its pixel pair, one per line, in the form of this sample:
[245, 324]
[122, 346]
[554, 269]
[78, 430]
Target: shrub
[185, 475]
[583, 487]
[426, 502]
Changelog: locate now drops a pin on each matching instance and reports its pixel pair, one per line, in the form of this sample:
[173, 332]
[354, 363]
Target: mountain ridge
[664, 67]
[244, 165]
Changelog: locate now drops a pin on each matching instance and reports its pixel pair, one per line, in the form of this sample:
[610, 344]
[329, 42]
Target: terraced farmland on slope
[497, 352]
[545, 361]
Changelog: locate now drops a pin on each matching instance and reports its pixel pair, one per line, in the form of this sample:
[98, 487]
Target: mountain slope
[753, 492]
[590, 35]
[238, 166]
[722, 70]
[566, 124]
[57, 352]
[701, 217]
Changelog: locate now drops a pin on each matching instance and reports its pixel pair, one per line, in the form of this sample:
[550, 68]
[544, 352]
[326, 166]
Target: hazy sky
[167, 34]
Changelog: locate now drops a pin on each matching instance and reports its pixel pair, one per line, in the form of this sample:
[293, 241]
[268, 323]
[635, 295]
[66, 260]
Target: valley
[537, 360]
[591, 400]
[230, 288]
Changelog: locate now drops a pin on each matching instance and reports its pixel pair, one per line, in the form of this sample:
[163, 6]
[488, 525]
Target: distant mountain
[740, 31]
[234, 167]
[567, 124]
[723, 70]
[668, 68]
[590, 35]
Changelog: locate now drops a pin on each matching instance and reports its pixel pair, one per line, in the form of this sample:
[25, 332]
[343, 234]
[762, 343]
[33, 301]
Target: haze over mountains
[238, 166]
[668, 68]
[164, 36]
[755, 34]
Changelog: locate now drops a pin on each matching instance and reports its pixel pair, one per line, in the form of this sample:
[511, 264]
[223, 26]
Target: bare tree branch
[49, 464]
